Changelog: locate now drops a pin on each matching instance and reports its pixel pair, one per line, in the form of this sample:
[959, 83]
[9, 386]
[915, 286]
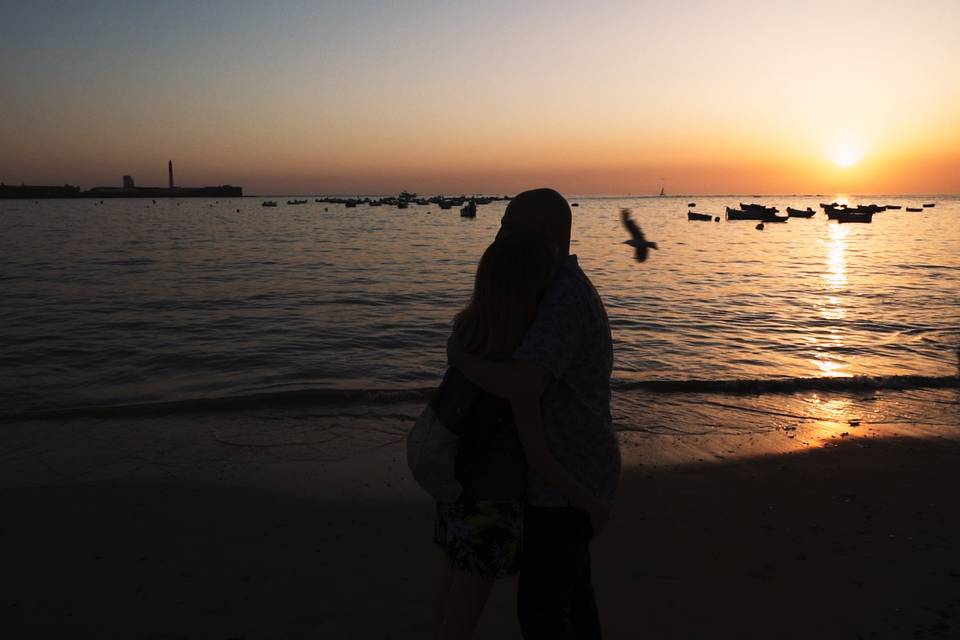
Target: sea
[152, 306]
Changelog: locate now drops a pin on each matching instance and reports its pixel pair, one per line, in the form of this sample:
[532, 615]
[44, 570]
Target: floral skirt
[481, 537]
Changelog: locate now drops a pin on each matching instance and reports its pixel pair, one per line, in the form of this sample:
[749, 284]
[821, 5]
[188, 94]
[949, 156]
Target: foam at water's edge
[790, 385]
[331, 397]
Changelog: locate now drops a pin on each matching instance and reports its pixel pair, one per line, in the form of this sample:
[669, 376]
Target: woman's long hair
[512, 277]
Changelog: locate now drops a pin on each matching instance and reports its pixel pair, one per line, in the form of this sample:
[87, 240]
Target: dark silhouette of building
[128, 190]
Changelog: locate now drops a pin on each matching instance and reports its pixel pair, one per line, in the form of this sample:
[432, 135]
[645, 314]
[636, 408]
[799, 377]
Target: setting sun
[845, 156]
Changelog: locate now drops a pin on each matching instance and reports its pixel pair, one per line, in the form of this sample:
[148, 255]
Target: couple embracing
[536, 461]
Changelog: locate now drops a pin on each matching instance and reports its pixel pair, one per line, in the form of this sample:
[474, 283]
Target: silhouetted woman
[481, 533]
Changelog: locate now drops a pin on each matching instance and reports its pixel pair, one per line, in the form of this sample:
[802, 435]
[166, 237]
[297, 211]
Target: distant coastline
[39, 192]
[127, 190]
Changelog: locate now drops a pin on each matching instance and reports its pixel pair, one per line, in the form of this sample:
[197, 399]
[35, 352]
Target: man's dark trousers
[555, 600]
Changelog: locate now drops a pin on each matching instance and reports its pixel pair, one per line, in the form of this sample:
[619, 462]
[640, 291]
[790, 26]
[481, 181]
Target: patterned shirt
[571, 339]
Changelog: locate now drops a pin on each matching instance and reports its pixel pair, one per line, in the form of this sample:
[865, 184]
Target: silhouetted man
[565, 359]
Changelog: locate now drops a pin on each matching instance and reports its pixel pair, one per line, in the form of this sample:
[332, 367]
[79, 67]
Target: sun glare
[845, 156]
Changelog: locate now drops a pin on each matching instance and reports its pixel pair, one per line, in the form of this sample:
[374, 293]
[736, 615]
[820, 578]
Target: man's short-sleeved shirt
[571, 339]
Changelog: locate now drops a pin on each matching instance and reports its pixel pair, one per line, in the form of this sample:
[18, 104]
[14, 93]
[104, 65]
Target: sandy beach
[254, 525]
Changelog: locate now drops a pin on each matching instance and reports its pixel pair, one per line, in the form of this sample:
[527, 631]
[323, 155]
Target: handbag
[432, 443]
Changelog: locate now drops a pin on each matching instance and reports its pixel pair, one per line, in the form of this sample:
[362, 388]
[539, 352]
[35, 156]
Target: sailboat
[662, 192]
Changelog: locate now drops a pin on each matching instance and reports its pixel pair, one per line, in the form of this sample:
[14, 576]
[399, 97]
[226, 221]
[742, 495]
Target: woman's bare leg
[443, 578]
[466, 597]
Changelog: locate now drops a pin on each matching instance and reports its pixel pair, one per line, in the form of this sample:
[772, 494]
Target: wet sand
[855, 537]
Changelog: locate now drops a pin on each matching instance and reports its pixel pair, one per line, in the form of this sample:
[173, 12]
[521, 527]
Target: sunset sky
[360, 97]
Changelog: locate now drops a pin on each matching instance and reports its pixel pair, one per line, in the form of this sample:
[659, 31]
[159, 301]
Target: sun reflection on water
[832, 308]
[834, 417]
[836, 274]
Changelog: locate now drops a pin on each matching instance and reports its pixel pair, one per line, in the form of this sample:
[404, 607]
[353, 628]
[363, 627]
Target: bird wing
[631, 225]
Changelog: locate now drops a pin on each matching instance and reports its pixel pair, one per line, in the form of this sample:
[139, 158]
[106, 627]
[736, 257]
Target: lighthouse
[170, 172]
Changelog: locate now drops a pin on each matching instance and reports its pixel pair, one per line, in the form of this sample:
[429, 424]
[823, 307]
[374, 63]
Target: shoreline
[342, 396]
[271, 523]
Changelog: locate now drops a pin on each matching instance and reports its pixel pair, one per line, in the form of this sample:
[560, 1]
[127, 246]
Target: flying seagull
[638, 241]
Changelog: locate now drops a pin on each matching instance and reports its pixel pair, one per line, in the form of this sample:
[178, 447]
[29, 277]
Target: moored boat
[758, 207]
[754, 214]
[693, 215]
[800, 213]
[928, 205]
[852, 216]
[469, 211]
[893, 206]
[268, 203]
[914, 209]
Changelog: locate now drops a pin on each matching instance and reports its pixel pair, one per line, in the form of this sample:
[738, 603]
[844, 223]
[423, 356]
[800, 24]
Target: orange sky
[734, 97]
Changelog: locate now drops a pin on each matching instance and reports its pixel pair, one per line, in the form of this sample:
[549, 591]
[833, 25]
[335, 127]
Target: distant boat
[758, 207]
[575, 204]
[350, 204]
[691, 204]
[893, 206]
[737, 214]
[930, 204]
[755, 214]
[693, 215]
[444, 204]
[849, 216]
[662, 192]
[296, 202]
[834, 213]
[403, 204]
[800, 213]
[268, 203]
[469, 211]
[914, 209]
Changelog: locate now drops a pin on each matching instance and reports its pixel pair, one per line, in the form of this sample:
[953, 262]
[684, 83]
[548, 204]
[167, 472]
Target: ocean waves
[791, 385]
[122, 306]
[329, 397]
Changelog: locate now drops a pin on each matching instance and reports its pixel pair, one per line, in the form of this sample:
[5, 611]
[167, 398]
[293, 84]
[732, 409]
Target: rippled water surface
[130, 301]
